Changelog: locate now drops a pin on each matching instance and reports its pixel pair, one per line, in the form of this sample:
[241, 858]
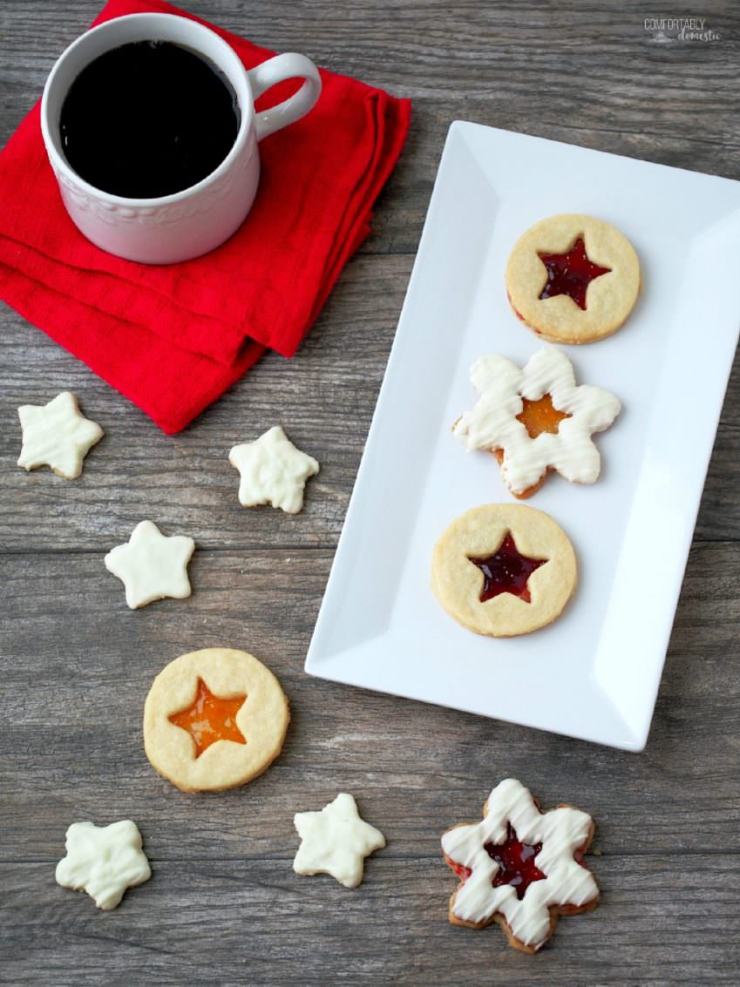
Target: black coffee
[148, 119]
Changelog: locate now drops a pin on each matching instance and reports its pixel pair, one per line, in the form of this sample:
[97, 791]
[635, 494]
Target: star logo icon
[104, 861]
[335, 841]
[273, 471]
[152, 566]
[57, 435]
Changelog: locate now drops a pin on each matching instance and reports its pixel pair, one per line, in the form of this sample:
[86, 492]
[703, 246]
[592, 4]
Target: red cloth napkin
[174, 338]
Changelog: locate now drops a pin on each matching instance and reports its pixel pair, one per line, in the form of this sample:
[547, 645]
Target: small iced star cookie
[151, 565]
[335, 841]
[57, 435]
[520, 867]
[214, 719]
[104, 861]
[272, 471]
[536, 419]
[504, 569]
[573, 278]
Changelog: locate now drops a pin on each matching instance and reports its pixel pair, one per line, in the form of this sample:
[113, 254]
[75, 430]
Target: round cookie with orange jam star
[573, 278]
[504, 570]
[214, 719]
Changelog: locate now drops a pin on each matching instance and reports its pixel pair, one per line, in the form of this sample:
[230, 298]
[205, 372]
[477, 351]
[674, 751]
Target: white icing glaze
[335, 841]
[103, 860]
[152, 566]
[561, 832]
[272, 471]
[492, 423]
[58, 435]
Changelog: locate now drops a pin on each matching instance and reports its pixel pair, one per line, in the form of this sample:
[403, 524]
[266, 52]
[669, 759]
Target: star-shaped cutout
[104, 861]
[541, 416]
[57, 435]
[272, 471]
[506, 571]
[152, 566]
[335, 841]
[570, 273]
[516, 862]
[210, 718]
[520, 866]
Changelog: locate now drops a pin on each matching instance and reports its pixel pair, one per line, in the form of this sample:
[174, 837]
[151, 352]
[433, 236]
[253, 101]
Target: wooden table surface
[224, 905]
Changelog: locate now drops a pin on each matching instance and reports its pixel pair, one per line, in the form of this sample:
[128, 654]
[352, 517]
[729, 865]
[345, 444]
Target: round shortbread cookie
[580, 305]
[498, 545]
[231, 718]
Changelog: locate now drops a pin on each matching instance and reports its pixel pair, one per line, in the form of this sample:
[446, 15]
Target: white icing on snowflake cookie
[272, 471]
[520, 867]
[335, 841]
[104, 861]
[537, 419]
[57, 435]
[152, 566]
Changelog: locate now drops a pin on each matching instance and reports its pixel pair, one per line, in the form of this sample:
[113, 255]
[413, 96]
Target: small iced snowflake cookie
[536, 419]
[57, 435]
[104, 861]
[573, 278]
[335, 841]
[520, 867]
[214, 719]
[273, 471]
[503, 570]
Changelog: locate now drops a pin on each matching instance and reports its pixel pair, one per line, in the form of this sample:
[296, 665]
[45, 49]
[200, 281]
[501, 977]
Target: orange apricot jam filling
[541, 416]
[210, 718]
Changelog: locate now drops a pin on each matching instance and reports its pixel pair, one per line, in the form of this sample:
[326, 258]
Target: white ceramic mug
[174, 227]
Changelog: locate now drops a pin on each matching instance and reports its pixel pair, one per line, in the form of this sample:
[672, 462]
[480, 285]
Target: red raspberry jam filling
[515, 861]
[461, 870]
[210, 718]
[541, 416]
[570, 273]
[506, 571]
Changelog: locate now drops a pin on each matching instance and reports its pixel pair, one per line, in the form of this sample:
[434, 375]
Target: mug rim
[51, 135]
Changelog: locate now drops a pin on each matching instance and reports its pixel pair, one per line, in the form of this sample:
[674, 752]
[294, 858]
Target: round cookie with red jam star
[520, 867]
[573, 278]
[214, 719]
[504, 570]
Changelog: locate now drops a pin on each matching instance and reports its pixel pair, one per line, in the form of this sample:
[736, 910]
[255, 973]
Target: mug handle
[289, 65]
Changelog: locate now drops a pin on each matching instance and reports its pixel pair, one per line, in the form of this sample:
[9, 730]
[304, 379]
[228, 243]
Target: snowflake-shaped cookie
[57, 435]
[335, 841]
[152, 566]
[104, 861]
[536, 419]
[520, 867]
[272, 471]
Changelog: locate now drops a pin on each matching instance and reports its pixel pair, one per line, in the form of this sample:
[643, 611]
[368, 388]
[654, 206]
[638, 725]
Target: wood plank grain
[272, 927]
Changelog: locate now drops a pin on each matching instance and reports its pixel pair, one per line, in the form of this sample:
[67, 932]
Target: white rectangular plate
[594, 673]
